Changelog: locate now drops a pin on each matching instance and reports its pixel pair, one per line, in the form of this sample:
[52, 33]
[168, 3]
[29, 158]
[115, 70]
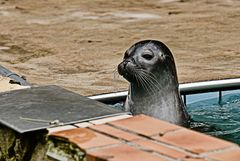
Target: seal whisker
[138, 79]
[146, 82]
[150, 82]
[153, 80]
[147, 76]
[115, 74]
[143, 82]
[135, 74]
[150, 78]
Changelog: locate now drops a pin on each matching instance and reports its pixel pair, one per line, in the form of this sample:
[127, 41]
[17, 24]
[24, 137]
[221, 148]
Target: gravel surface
[78, 44]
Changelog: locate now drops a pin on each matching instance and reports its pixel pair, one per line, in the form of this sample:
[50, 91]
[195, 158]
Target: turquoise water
[218, 119]
[209, 116]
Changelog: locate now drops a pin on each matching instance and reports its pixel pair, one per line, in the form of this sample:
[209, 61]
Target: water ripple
[220, 120]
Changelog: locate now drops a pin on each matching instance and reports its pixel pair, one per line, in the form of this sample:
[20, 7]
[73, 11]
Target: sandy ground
[78, 44]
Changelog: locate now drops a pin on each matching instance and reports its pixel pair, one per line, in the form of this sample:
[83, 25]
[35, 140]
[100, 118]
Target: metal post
[220, 97]
[185, 99]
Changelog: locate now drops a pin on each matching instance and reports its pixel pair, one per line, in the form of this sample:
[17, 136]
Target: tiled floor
[142, 138]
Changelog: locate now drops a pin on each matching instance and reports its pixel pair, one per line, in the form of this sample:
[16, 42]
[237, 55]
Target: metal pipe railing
[209, 86]
[185, 89]
[7, 73]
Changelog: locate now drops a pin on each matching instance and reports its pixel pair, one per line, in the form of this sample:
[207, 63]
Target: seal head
[150, 68]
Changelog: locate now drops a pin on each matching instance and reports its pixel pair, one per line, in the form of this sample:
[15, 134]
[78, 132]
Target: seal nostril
[122, 67]
[133, 61]
[125, 64]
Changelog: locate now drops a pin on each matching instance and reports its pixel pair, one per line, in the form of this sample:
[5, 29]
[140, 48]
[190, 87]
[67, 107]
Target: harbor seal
[154, 90]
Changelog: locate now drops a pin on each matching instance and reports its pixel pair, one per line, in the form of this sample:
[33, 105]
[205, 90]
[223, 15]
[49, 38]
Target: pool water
[209, 116]
[220, 119]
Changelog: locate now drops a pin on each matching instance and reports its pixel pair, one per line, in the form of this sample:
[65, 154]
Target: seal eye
[147, 56]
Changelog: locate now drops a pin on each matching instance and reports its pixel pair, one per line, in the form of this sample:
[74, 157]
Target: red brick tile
[83, 124]
[161, 149]
[86, 138]
[233, 155]
[109, 119]
[60, 128]
[115, 132]
[122, 153]
[145, 125]
[194, 159]
[193, 141]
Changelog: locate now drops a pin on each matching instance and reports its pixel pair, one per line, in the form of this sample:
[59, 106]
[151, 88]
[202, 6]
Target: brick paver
[142, 138]
[86, 138]
[233, 155]
[114, 132]
[122, 153]
[193, 141]
[145, 125]
[161, 149]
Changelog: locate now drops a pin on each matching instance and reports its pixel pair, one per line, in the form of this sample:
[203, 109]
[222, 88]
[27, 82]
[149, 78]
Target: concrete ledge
[143, 138]
[6, 86]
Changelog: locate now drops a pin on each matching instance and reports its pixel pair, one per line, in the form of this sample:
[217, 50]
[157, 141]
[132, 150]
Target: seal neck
[162, 101]
[161, 84]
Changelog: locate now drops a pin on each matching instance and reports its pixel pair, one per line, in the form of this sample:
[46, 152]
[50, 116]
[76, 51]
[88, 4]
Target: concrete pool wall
[117, 138]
